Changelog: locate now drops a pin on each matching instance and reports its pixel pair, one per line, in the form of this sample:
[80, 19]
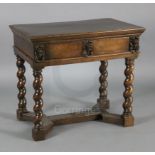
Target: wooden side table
[49, 44]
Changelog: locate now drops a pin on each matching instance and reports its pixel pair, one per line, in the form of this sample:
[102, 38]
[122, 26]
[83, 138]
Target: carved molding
[87, 48]
[133, 43]
[39, 52]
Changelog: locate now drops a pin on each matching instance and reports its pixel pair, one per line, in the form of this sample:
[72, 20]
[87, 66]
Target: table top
[105, 26]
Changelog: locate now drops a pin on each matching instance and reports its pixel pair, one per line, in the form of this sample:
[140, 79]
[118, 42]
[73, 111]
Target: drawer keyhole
[87, 48]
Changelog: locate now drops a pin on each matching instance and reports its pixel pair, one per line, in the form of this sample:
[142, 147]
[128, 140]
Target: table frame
[43, 124]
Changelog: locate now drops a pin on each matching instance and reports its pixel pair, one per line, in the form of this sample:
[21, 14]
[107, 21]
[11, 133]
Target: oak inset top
[102, 27]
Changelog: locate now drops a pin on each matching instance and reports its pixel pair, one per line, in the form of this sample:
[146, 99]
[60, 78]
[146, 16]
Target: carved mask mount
[133, 43]
[39, 52]
[87, 48]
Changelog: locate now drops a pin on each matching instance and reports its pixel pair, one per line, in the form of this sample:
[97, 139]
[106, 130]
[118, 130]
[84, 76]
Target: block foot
[128, 120]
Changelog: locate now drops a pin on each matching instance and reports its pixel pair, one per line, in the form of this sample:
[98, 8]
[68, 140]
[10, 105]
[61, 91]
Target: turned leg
[37, 130]
[103, 101]
[128, 83]
[21, 87]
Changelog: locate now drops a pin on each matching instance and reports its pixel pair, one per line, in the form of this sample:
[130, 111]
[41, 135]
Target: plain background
[72, 87]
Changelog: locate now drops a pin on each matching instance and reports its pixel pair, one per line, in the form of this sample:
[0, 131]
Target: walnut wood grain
[74, 49]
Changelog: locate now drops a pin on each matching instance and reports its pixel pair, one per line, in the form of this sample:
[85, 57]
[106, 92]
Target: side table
[60, 43]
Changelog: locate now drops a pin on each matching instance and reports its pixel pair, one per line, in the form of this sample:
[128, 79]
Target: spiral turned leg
[128, 83]
[103, 101]
[21, 87]
[37, 130]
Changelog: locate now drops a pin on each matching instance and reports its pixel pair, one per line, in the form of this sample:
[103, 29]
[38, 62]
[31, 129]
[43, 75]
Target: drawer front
[86, 48]
[63, 50]
[108, 45]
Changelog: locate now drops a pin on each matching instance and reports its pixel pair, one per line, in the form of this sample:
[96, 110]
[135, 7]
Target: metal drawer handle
[87, 48]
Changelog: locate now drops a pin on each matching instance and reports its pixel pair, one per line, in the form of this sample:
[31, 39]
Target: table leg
[103, 101]
[37, 130]
[128, 83]
[21, 87]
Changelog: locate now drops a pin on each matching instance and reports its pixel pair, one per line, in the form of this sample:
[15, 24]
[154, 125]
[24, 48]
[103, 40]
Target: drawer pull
[87, 48]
